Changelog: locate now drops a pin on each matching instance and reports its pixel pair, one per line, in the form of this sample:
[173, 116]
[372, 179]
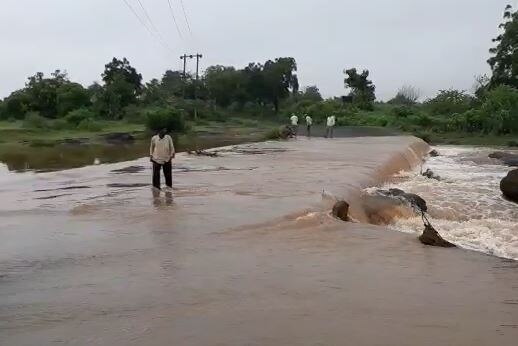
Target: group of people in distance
[330, 125]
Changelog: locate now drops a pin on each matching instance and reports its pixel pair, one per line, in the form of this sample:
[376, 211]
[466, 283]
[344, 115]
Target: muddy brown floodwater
[243, 252]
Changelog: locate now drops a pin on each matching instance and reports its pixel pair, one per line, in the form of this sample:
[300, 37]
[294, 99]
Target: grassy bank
[16, 133]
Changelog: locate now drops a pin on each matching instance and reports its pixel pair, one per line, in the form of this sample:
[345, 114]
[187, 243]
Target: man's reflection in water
[158, 201]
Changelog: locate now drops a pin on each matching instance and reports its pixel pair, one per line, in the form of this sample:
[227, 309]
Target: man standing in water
[331, 122]
[162, 152]
[294, 124]
[309, 123]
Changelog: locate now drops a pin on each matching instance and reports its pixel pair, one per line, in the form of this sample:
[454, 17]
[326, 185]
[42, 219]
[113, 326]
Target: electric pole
[184, 58]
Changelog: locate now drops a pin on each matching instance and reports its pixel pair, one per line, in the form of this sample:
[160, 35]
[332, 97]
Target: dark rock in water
[433, 153]
[415, 200]
[341, 210]
[499, 155]
[432, 238]
[431, 175]
[509, 185]
[119, 137]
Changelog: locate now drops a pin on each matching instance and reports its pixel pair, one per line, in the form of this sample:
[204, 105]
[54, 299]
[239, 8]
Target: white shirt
[331, 121]
[162, 149]
[309, 121]
[294, 120]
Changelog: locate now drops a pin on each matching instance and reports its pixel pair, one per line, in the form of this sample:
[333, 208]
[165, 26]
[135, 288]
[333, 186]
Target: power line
[151, 32]
[174, 18]
[148, 17]
[185, 16]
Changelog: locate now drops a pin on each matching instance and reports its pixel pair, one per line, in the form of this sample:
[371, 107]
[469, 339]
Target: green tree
[280, 80]
[225, 85]
[362, 89]
[71, 96]
[121, 78]
[173, 83]
[449, 102]
[311, 93]
[504, 62]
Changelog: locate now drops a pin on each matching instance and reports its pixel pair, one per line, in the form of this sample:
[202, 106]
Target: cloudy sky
[431, 44]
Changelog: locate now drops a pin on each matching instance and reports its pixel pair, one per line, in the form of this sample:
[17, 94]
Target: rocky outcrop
[341, 210]
[510, 159]
[432, 238]
[509, 186]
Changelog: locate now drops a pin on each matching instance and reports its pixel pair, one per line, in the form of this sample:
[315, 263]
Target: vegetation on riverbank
[265, 93]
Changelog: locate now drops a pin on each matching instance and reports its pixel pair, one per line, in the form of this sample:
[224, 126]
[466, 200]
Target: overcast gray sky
[431, 44]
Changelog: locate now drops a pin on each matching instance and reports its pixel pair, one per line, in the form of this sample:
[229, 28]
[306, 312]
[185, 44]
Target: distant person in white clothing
[161, 153]
[294, 124]
[309, 124]
[331, 122]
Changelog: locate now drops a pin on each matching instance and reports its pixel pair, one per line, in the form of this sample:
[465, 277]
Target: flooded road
[243, 252]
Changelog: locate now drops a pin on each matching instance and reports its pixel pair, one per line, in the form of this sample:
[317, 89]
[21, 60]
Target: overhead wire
[155, 33]
[174, 18]
[185, 16]
[147, 16]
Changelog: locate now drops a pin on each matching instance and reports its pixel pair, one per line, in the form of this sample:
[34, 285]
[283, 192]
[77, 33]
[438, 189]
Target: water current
[466, 205]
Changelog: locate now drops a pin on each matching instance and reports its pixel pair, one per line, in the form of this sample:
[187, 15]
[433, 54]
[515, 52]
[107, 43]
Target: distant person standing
[309, 124]
[294, 124]
[331, 122]
[161, 153]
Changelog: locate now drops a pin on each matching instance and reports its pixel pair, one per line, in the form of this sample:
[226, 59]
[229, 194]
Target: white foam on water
[466, 206]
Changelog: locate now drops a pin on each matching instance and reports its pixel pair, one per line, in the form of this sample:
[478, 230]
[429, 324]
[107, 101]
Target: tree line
[270, 89]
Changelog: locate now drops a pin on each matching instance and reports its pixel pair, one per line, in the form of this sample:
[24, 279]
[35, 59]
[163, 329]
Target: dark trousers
[330, 131]
[309, 130]
[168, 173]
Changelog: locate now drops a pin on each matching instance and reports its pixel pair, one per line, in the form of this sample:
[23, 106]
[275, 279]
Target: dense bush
[165, 118]
[35, 121]
[449, 102]
[77, 116]
[89, 125]
[403, 111]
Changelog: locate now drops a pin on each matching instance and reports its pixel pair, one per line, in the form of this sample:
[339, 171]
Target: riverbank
[243, 252]
[40, 150]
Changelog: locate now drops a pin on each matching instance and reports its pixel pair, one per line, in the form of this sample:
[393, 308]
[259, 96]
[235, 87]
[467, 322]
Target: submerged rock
[414, 200]
[432, 238]
[341, 210]
[431, 175]
[433, 153]
[510, 159]
[509, 185]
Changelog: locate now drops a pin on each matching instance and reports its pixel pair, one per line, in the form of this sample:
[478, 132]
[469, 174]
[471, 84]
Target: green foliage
[311, 94]
[362, 89]
[71, 96]
[165, 118]
[504, 62]
[78, 116]
[449, 102]
[89, 125]
[403, 111]
[33, 120]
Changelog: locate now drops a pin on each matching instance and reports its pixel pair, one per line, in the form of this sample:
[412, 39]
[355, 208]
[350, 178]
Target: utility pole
[184, 58]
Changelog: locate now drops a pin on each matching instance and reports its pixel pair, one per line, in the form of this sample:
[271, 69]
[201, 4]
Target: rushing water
[466, 205]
